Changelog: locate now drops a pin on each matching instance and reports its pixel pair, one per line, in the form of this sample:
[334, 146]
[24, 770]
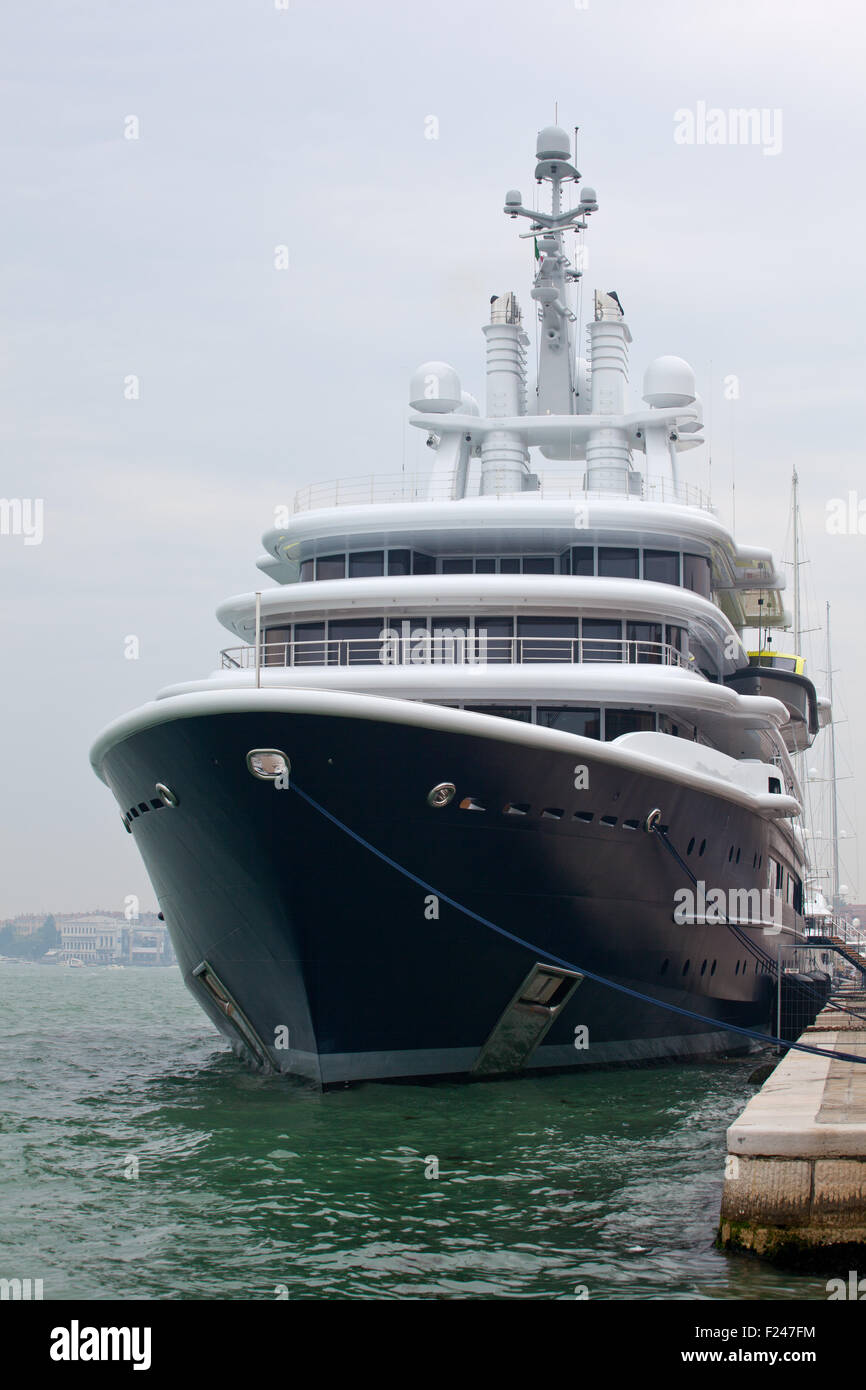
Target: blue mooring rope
[558, 960]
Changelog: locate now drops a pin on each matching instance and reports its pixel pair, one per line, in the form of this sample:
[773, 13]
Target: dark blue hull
[321, 960]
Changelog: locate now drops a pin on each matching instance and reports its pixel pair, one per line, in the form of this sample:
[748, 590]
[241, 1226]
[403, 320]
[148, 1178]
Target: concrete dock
[795, 1175]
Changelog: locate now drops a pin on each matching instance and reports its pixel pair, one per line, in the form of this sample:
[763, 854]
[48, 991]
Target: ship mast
[834, 804]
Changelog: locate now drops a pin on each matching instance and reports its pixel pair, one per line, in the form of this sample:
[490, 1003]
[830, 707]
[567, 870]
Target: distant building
[26, 924]
[95, 939]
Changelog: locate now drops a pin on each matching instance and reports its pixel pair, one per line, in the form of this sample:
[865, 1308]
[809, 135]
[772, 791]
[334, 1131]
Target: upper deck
[376, 489]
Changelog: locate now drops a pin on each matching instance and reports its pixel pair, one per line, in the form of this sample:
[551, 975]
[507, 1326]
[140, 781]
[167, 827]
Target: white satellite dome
[669, 381]
[435, 389]
[468, 404]
[553, 143]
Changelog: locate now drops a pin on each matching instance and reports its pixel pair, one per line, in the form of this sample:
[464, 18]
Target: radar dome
[468, 404]
[668, 381]
[435, 389]
[513, 198]
[553, 143]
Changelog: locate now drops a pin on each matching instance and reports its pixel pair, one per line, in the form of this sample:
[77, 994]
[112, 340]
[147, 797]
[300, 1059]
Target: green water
[607, 1181]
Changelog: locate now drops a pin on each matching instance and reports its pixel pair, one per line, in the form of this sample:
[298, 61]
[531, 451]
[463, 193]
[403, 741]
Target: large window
[523, 713]
[645, 642]
[661, 566]
[399, 562]
[602, 640]
[423, 564]
[457, 564]
[309, 644]
[452, 640]
[331, 567]
[627, 721]
[277, 647]
[547, 639]
[494, 637]
[582, 560]
[355, 641]
[617, 563]
[572, 721]
[366, 564]
[538, 564]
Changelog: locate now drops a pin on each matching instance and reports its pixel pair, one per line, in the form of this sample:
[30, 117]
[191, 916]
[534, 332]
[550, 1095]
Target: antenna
[834, 805]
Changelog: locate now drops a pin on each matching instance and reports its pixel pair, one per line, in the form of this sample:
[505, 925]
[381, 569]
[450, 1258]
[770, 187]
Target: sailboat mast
[834, 807]
[796, 505]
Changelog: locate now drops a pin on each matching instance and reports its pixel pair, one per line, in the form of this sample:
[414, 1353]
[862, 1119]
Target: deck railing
[451, 646]
[420, 487]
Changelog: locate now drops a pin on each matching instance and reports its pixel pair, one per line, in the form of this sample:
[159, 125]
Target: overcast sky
[306, 126]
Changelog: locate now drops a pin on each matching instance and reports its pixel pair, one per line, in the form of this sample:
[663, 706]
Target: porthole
[516, 808]
[126, 825]
[166, 795]
[470, 804]
[552, 813]
[713, 968]
[738, 857]
[665, 964]
[704, 968]
[631, 825]
[737, 968]
[441, 794]
[691, 845]
[686, 967]
[608, 820]
[730, 854]
[585, 816]
[702, 848]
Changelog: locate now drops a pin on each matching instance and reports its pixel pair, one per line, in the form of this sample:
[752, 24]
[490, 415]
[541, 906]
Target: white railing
[418, 487]
[451, 647]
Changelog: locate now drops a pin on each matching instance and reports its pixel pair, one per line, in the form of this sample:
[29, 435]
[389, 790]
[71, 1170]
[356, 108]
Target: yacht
[486, 781]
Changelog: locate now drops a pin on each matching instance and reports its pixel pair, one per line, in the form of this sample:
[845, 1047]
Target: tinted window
[533, 564]
[308, 648]
[399, 562]
[494, 639]
[696, 574]
[331, 567]
[457, 564]
[626, 721]
[596, 645]
[276, 647]
[644, 641]
[509, 565]
[452, 640]
[661, 566]
[617, 564]
[366, 564]
[521, 712]
[423, 564]
[573, 721]
[355, 641]
[547, 639]
[486, 564]
[676, 638]
[307, 569]
[582, 560]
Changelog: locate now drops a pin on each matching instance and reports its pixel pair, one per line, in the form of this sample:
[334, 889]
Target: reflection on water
[140, 1159]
